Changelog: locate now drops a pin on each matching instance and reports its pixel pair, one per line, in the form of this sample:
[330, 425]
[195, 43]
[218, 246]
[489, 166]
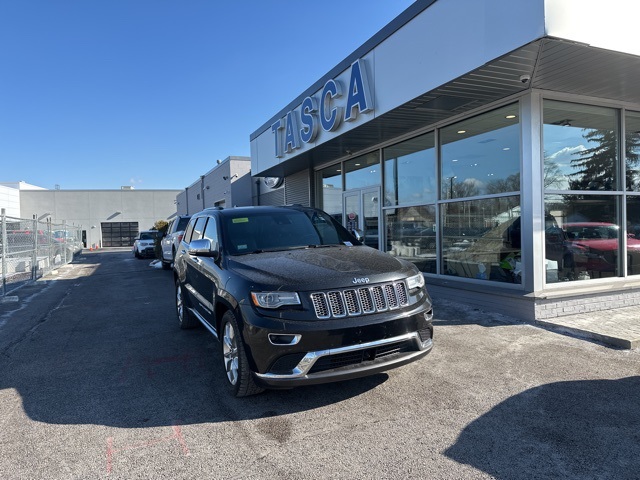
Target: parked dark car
[295, 299]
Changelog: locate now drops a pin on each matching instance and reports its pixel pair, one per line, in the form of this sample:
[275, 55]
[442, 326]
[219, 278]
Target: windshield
[146, 236]
[250, 232]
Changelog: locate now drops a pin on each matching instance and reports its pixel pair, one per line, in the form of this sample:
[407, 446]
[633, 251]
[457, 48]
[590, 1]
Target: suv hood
[320, 268]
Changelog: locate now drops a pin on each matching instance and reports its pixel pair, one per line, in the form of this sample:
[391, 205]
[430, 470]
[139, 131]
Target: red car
[601, 242]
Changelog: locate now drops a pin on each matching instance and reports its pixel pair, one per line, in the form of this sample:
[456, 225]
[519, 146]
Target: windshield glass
[146, 236]
[249, 232]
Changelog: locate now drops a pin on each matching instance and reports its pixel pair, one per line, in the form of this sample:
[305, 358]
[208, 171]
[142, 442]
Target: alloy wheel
[230, 353]
[179, 303]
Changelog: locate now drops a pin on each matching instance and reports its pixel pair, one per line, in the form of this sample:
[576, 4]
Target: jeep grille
[359, 301]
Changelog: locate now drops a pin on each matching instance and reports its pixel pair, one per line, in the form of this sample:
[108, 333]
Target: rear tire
[185, 318]
[165, 265]
[239, 378]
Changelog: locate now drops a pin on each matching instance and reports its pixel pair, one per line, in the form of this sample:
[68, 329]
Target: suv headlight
[417, 281]
[274, 299]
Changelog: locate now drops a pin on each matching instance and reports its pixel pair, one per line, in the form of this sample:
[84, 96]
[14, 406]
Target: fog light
[284, 338]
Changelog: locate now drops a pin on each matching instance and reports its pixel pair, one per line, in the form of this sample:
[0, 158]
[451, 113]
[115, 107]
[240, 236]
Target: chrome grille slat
[390, 294]
[378, 298]
[401, 290]
[320, 305]
[359, 301]
[336, 304]
[366, 300]
[352, 302]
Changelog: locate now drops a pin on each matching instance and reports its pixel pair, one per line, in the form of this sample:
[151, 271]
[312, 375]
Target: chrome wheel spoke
[230, 353]
[179, 305]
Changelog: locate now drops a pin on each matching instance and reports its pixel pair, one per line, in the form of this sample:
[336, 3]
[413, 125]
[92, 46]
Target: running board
[204, 322]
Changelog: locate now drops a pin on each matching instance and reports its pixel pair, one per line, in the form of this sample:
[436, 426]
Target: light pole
[451, 187]
[202, 190]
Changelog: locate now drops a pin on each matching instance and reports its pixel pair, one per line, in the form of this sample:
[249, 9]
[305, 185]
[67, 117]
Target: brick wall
[595, 302]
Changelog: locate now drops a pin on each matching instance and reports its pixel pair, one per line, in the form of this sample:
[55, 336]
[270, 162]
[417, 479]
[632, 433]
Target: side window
[211, 232]
[188, 232]
[198, 228]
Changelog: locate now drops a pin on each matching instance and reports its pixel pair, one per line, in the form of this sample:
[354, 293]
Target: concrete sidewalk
[618, 327]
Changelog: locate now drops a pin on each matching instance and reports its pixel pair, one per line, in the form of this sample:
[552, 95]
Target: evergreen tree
[596, 166]
[632, 149]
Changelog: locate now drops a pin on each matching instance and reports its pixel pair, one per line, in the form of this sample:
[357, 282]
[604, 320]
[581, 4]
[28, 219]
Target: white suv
[143, 246]
[172, 239]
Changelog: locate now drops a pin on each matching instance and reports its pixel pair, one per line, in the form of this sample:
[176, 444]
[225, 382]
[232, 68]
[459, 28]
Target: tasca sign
[327, 111]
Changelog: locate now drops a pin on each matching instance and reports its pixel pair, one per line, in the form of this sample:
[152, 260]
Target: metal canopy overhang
[552, 64]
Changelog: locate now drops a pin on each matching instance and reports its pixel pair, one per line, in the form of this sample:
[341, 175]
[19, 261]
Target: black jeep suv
[295, 299]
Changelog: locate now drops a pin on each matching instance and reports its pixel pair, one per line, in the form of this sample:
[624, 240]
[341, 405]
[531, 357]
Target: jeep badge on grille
[360, 280]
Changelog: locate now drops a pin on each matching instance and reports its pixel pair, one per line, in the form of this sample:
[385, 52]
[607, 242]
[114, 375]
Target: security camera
[525, 78]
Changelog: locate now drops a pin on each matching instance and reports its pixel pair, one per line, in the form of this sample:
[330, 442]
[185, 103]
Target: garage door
[119, 234]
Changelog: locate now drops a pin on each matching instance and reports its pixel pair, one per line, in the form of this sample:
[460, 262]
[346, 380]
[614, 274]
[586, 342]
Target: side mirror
[203, 248]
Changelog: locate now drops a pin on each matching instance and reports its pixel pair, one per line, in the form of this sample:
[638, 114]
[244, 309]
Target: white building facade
[227, 184]
[106, 218]
[494, 143]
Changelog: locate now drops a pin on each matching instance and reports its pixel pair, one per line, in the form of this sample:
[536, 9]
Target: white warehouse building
[106, 218]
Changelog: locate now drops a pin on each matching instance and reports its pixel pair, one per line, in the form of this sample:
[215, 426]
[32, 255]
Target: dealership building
[494, 143]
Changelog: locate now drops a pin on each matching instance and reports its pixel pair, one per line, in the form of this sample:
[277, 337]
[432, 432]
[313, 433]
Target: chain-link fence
[30, 249]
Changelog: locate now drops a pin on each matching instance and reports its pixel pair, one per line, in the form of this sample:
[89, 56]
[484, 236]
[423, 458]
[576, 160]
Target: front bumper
[331, 350]
[147, 252]
[360, 360]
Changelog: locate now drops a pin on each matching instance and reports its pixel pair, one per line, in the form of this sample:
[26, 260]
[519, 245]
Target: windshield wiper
[284, 249]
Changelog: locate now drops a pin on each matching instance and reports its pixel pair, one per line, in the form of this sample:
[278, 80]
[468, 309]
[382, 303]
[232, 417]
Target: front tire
[185, 318]
[239, 378]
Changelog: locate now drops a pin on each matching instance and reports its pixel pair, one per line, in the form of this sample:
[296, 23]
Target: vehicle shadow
[575, 429]
[108, 351]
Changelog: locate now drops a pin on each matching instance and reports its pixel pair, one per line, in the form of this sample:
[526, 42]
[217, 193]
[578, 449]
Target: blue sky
[150, 93]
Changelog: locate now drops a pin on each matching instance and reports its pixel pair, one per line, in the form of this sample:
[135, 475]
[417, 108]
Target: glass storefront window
[481, 155]
[582, 237]
[632, 151]
[481, 239]
[580, 147]
[633, 235]
[410, 172]
[330, 190]
[363, 171]
[411, 234]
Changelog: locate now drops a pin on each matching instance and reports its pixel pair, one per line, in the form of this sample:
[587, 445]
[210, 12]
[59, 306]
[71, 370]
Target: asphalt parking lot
[98, 381]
